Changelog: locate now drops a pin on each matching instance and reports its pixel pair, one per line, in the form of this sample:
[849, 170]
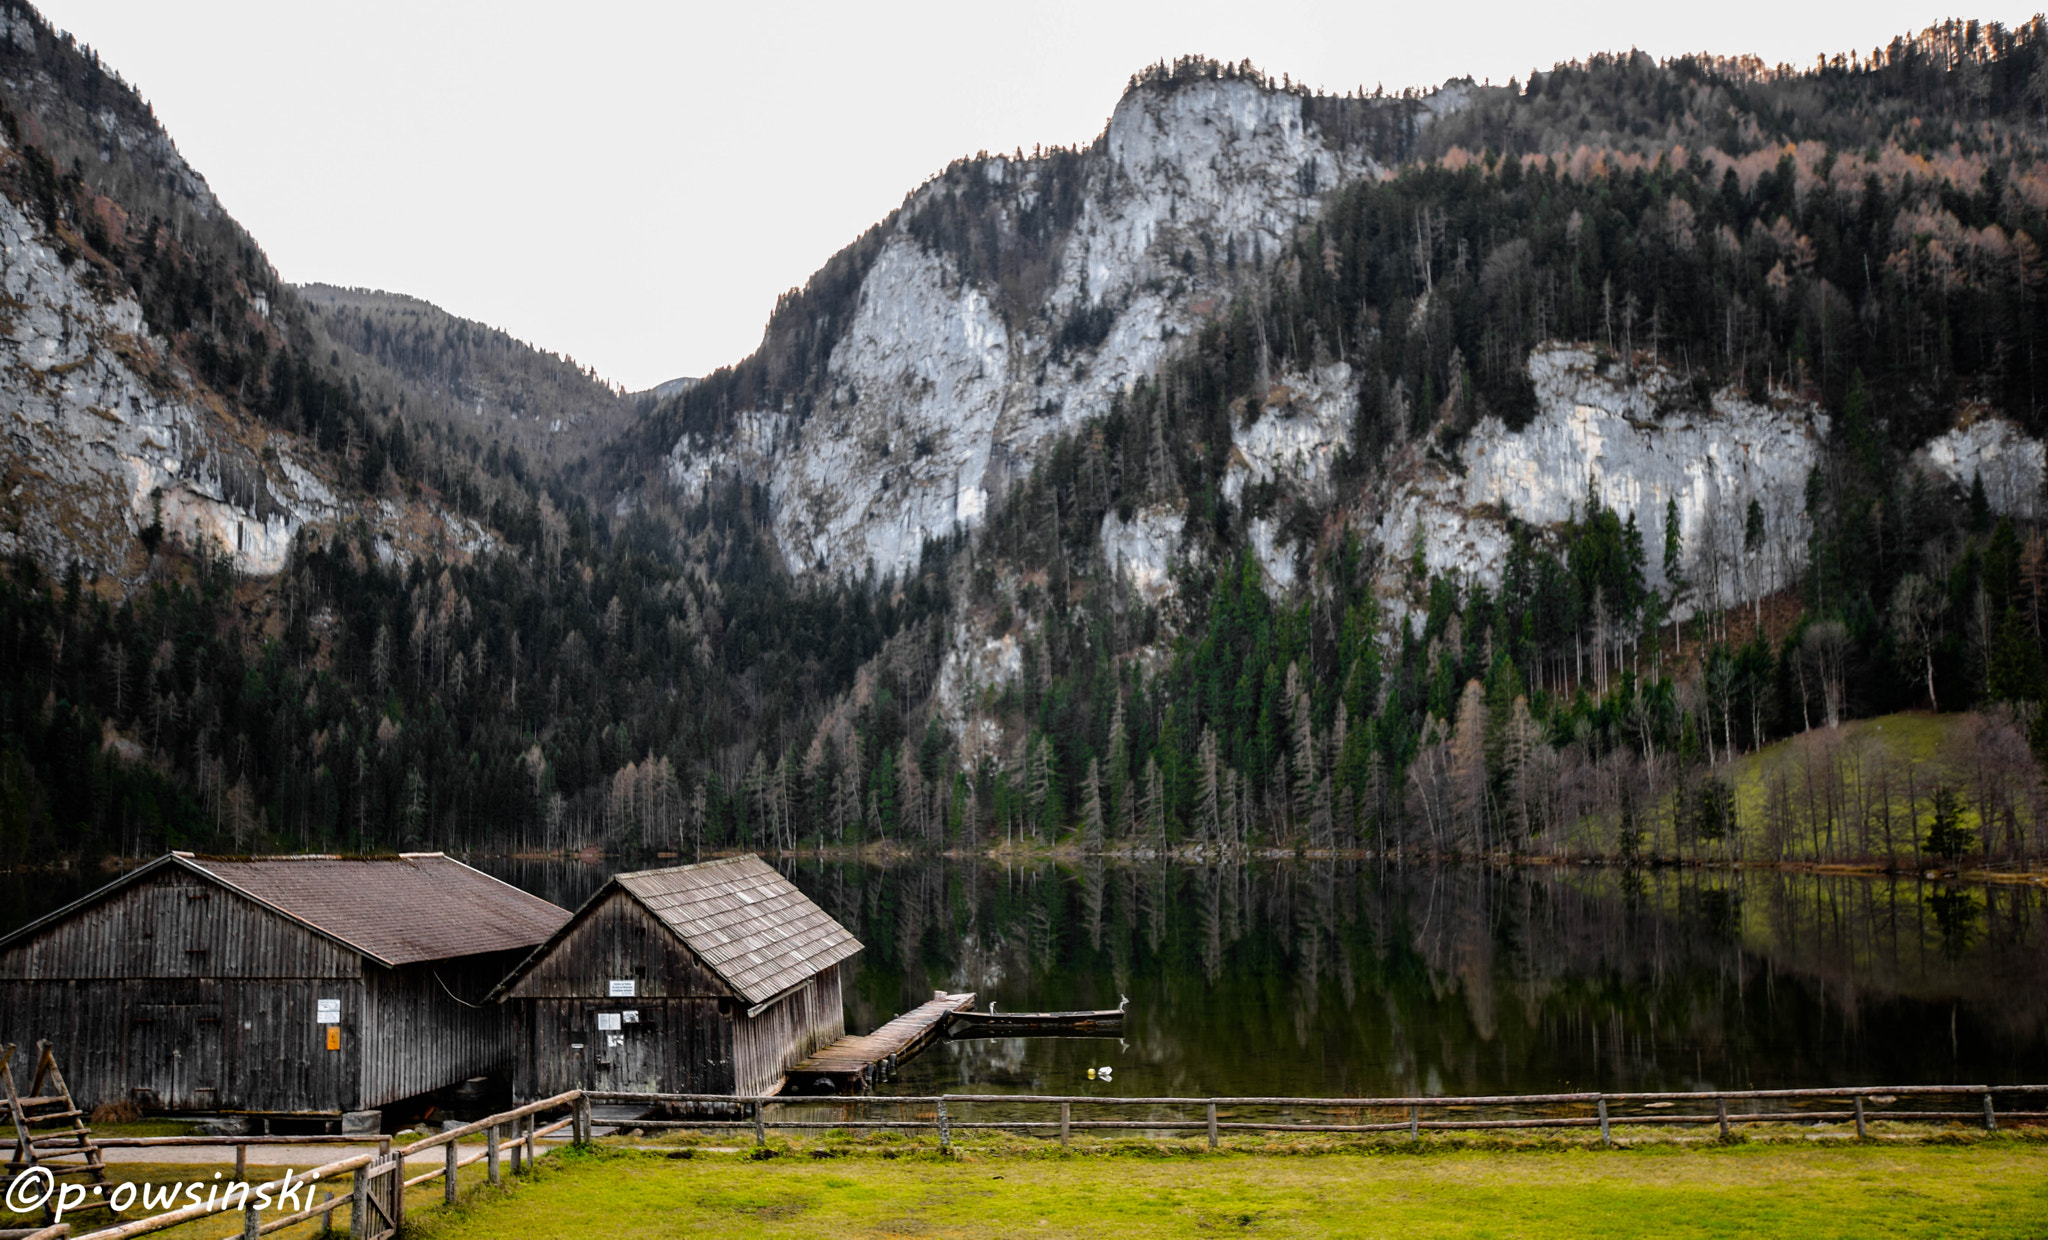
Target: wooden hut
[713, 978]
[274, 986]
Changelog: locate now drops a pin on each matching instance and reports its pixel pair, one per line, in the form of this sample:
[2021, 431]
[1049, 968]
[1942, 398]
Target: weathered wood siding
[681, 1043]
[620, 939]
[180, 994]
[177, 924]
[692, 1036]
[768, 1045]
[419, 1037]
[679, 1046]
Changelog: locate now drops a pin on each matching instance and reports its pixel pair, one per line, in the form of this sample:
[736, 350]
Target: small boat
[990, 1024]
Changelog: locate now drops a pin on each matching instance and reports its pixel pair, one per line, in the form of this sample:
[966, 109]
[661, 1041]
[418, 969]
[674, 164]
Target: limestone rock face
[102, 434]
[1993, 449]
[1290, 437]
[941, 397]
[1640, 441]
[105, 432]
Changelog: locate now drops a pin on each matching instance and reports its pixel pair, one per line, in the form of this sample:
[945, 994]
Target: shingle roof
[396, 910]
[747, 923]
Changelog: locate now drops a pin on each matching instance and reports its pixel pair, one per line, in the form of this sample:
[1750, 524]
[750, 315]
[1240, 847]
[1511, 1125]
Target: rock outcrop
[107, 434]
[1639, 441]
[943, 392]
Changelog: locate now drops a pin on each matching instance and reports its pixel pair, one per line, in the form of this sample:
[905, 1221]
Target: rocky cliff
[107, 433]
[946, 384]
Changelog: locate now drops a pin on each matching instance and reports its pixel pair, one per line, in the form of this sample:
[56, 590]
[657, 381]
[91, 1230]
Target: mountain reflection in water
[1351, 978]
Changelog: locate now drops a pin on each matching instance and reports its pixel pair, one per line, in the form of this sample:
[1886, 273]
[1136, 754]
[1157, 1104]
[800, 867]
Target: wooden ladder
[68, 1151]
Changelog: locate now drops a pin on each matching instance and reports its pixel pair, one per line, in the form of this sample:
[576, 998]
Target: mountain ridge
[1278, 470]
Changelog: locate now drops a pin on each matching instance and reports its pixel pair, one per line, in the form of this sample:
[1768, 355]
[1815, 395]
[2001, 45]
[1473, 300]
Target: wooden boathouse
[714, 978]
[301, 986]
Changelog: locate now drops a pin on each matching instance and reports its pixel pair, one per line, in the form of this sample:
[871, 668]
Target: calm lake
[1351, 978]
[1346, 978]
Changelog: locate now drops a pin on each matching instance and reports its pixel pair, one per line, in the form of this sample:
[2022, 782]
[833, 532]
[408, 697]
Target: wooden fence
[375, 1199]
[1381, 1115]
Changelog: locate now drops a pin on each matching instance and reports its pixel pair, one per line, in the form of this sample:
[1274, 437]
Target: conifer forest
[1856, 675]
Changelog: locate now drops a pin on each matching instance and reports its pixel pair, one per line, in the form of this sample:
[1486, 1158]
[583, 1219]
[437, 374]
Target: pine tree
[1047, 789]
[1209, 795]
[1155, 805]
[1091, 809]
[1947, 835]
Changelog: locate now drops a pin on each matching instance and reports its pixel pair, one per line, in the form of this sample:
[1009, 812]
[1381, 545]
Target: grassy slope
[1913, 740]
[1994, 1188]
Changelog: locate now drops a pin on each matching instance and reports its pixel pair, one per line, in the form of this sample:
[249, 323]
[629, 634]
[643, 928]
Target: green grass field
[1995, 1187]
[1856, 765]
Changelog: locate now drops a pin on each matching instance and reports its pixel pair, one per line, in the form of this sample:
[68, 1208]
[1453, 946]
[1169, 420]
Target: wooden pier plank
[852, 1060]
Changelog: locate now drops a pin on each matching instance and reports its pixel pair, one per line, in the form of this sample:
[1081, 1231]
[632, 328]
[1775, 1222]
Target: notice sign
[326, 1011]
[334, 1037]
[620, 988]
[607, 1022]
[631, 1018]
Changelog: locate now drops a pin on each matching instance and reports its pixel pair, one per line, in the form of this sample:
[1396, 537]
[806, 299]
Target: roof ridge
[694, 865]
[756, 931]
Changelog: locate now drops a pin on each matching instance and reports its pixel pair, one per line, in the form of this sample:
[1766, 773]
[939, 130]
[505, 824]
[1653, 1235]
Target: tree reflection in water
[1341, 977]
[1350, 977]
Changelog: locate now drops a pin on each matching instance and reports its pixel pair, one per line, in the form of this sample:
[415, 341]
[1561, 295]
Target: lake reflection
[1350, 978]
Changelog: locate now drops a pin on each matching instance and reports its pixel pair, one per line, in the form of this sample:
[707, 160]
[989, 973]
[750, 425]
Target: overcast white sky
[633, 184]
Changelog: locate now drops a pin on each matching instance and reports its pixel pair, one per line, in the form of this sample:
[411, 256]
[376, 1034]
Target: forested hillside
[610, 658]
[451, 645]
[484, 386]
[1892, 283]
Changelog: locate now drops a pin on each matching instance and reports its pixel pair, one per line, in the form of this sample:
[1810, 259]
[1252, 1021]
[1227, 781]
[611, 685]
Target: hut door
[174, 1055]
[625, 1051]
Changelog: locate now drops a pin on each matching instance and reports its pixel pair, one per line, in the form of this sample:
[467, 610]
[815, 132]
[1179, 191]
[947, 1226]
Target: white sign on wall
[620, 988]
[607, 1021]
[631, 1018]
[326, 1011]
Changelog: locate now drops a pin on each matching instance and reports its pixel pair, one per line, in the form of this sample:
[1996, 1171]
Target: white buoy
[1104, 1072]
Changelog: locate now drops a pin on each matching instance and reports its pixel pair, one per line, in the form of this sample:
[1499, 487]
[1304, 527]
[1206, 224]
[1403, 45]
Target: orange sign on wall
[334, 1037]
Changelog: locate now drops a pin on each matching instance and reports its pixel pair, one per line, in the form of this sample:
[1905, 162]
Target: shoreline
[888, 853]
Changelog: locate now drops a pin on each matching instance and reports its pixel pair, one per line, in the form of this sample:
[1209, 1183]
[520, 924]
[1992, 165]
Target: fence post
[760, 1133]
[1861, 1132]
[1066, 1119]
[242, 1160]
[491, 1154]
[358, 1201]
[398, 1190]
[515, 1144]
[582, 1125]
[1414, 1123]
[1212, 1125]
[327, 1215]
[532, 1140]
[1721, 1109]
[448, 1188]
[1606, 1137]
[252, 1221]
[945, 1138]
[1990, 1117]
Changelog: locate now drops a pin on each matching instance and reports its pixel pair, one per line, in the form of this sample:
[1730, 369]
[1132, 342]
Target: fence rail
[375, 1200]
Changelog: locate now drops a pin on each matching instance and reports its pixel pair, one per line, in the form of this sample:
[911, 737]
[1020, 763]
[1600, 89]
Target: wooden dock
[855, 1062]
